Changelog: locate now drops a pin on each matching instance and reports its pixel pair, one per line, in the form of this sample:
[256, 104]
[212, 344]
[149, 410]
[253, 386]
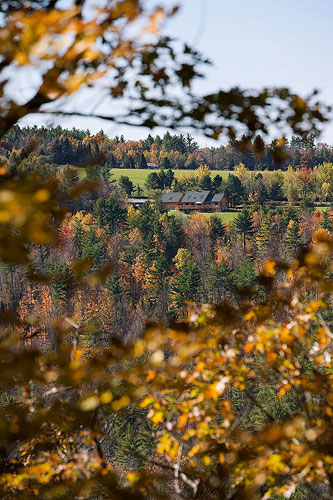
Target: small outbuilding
[136, 202]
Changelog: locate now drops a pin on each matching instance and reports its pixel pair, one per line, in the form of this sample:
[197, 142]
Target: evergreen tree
[234, 189]
[264, 234]
[165, 163]
[174, 237]
[190, 144]
[146, 220]
[109, 213]
[205, 183]
[78, 236]
[60, 280]
[244, 275]
[244, 225]
[169, 177]
[158, 293]
[327, 222]
[113, 284]
[142, 161]
[149, 249]
[217, 182]
[133, 447]
[292, 238]
[129, 162]
[159, 206]
[217, 228]
[187, 284]
[112, 162]
[147, 143]
[162, 179]
[220, 281]
[93, 248]
[126, 184]
[153, 181]
[131, 438]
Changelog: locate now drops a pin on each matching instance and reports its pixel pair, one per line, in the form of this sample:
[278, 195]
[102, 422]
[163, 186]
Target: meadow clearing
[139, 175]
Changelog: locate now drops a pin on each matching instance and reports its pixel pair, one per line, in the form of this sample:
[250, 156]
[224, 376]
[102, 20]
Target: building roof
[171, 197]
[217, 197]
[136, 200]
[195, 197]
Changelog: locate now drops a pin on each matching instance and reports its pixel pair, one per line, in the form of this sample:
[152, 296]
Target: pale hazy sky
[252, 44]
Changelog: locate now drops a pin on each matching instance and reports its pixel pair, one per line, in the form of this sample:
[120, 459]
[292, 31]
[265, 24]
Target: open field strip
[226, 217]
[139, 175]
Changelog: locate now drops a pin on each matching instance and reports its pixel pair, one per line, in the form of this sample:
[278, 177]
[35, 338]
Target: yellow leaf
[121, 403]
[106, 397]
[249, 347]
[194, 450]
[146, 402]
[42, 195]
[150, 375]
[89, 403]
[133, 477]
[182, 420]
[157, 418]
[269, 268]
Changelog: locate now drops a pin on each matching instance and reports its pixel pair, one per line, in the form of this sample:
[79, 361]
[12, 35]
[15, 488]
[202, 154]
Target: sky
[252, 44]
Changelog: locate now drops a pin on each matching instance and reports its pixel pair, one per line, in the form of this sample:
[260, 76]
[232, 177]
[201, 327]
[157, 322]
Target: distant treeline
[79, 147]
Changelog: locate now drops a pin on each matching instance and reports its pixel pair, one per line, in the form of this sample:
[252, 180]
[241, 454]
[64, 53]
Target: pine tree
[93, 248]
[175, 237]
[129, 162]
[244, 225]
[217, 182]
[109, 213]
[149, 249]
[165, 162]
[132, 438]
[220, 280]
[327, 222]
[205, 183]
[78, 236]
[133, 448]
[60, 273]
[126, 184]
[153, 181]
[264, 234]
[244, 275]
[292, 238]
[187, 285]
[234, 189]
[142, 161]
[217, 228]
[169, 177]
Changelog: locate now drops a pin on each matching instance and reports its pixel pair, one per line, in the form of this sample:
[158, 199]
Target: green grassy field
[138, 175]
[226, 217]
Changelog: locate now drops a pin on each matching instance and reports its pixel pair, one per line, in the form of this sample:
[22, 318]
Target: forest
[149, 354]
[176, 151]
